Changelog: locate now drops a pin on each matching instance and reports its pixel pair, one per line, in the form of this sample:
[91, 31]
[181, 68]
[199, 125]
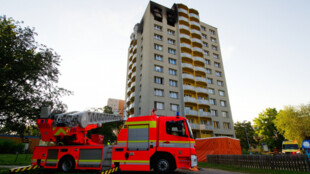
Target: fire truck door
[137, 148]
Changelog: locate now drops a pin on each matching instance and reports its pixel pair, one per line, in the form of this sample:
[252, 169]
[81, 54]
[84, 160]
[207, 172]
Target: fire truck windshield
[290, 146]
[189, 129]
[176, 128]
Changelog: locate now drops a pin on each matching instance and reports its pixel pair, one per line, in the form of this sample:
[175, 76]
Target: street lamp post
[247, 139]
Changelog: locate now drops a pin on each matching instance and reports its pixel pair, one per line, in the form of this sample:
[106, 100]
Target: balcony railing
[195, 23]
[197, 49]
[194, 15]
[185, 36]
[185, 45]
[202, 90]
[187, 65]
[201, 79]
[183, 19]
[197, 40]
[188, 76]
[191, 112]
[206, 127]
[204, 114]
[203, 102]
[182, 10]
[190, 99]
[198, 68]
[198, 59]
[184, 27]
[189, 87]
[194, 126]
[186, 55]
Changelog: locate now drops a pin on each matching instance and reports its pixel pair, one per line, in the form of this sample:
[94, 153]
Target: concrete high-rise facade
[175, 65]
[117, 106]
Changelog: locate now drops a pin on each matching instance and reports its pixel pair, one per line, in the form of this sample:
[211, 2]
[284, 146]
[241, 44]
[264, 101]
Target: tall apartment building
[175, 65]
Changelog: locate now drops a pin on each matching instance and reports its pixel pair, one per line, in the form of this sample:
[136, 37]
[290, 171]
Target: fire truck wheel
[66, 164]
[163, 165]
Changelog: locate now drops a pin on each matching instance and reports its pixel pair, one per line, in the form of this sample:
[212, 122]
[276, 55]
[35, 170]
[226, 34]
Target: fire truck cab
[162, 143]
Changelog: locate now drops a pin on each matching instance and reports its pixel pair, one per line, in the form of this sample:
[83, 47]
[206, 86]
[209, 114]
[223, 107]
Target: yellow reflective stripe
[51, 160]
[152, 140]
[138, 126]
[89, 160]
[60, 130]
[130, 161]
[152, 123]
[138, 141]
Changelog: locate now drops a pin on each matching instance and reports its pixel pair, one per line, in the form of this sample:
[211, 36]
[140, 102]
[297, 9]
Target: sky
[264, 45]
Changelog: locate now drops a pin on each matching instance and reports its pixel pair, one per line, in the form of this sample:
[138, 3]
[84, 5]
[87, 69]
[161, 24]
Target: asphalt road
[203, 170]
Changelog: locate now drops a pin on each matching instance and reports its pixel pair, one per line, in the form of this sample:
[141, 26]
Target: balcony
[135, 49]
[185, 45]
[203, 102]
[204, 114]
[190, 99]
[184, 27]
[198, 49]
[183, 19]
[206, 127]
[182, 11]
[201, 69]
[189, 87]
[201, 79]
[187, 76]
[132, 95]
[194, 31]
[132, 86]
[194, 126]
[193, 15]
[190, 112]
[202, 90]
[187, 65]
[196, 24]
[194, 40]
[199, 59]
[186, 55]
[185, 38]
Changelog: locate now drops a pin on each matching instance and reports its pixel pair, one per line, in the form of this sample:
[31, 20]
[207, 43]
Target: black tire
[66, 164]
[163, 165]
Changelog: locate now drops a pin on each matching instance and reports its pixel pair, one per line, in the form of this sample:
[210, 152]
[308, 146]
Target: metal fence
[276, 162]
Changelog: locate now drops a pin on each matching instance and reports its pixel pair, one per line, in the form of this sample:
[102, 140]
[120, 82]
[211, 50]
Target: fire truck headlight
[193, 160]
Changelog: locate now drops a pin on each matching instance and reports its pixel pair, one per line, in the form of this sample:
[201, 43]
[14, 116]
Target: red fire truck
[145, 143]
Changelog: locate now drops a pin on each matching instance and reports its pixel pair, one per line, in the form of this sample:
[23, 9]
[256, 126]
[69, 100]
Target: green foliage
[9, 146]
[28, 77]
[13, 159]
[293, 122]
[108, 110]
[266, 131]
[240, 130]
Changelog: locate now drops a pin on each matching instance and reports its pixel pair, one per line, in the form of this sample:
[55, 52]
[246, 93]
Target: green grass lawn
[245, 170]
[13, 159]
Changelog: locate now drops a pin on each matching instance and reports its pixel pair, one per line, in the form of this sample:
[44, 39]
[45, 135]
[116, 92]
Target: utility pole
[247, 139]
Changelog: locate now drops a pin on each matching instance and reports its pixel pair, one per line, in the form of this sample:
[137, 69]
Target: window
[226, 125]
[174, 107]
[223, 103]
[205, 44]
[215, 56]
[172, 72]
[211, 91]
[213, 40]
[158, 92]
[172, 61]
[208, 71]
[210, 81]
[204, 36]
[208, 62]
[159, 80]
[158, 37]
[171, 51]
[221, 93]
[212, 101]
[213, 112]
[206, 52]
[173, 83]
[157, 27]
[158, 68]
[214, 48]
[203, 28]
[219, 83]
[158, 57]
[212, 32]
[173, 95]
[159, 105]
[217, 64]
[176, 128]
[158, 47]
[171, 41]
[219, 74]
[216, 124]
[225, 114]
[171, 32]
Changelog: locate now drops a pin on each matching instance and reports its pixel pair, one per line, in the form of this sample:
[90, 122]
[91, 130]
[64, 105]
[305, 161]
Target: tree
[265, 129]
[293, 122]
[28, 77]
[109, 130]
[241, 129]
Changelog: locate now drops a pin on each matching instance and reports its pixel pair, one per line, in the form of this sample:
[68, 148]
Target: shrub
[9, 146]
